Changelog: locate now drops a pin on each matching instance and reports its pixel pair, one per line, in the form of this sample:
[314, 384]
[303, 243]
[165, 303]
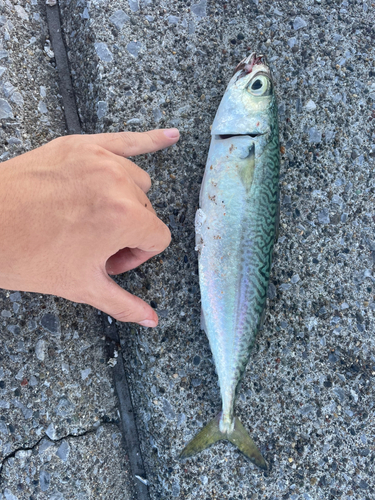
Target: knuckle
[64, 143]
[115, 171]
[165, 236]
[76, 148]
[111, 210]
[117, 212]
[149, 206]
[146, 180]
[120, 209]
[125, 315]
[66, 140]
[168, 237]
[140, 176]
[128, 140]
[96, 150]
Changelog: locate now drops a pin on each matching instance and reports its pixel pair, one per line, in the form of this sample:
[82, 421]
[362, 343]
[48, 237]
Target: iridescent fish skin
[235, 231]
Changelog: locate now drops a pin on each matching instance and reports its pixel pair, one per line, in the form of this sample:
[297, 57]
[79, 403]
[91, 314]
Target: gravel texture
[30, 105]
[56, 390]
[308, 394]
[51, 470]
[59, 434]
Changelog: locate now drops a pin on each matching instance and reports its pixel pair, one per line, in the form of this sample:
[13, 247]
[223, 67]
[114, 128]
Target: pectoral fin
[247, 171]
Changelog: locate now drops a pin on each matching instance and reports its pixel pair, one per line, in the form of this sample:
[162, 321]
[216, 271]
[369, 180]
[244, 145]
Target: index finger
[134, 143]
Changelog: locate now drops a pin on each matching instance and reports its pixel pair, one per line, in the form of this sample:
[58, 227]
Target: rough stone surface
[51, 473]
[52, 388]
[59, 432]
[308, 393]
[25, 67]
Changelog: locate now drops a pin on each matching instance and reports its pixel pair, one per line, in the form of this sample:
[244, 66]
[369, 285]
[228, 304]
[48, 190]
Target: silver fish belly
[235, 232]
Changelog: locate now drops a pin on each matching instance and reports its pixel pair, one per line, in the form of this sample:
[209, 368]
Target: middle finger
[137, 174]
[143, 200]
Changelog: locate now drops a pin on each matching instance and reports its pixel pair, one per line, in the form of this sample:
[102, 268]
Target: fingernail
[171, 133]
[148, 322]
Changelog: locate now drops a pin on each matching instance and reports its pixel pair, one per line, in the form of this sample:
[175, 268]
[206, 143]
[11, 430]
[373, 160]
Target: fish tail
[238, 436]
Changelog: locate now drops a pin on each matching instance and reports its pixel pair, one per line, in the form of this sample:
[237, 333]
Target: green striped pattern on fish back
[259, 227]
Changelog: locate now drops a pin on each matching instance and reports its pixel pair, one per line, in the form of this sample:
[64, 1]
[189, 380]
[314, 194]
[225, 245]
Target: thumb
[122, 305]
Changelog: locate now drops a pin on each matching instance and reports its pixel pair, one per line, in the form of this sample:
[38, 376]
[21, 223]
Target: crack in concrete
[62, 65]
[30, 448]
[127, 413]
[128, 425]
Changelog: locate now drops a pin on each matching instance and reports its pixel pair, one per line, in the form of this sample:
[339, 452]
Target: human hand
[74, 211]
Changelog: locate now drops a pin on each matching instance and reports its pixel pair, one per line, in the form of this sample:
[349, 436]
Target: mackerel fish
[236, 227]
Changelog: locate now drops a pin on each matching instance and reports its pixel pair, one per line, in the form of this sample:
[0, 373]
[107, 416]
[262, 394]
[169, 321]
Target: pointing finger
[135, 143]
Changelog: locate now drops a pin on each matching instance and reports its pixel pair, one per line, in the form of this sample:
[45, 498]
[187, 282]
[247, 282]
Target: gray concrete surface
[308, 393]
[59, 434]
[83, 468]
[30, 106]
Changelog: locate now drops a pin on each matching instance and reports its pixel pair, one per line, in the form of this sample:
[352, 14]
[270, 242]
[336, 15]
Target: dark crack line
[30, 448]
[128, 424]
[66, 88]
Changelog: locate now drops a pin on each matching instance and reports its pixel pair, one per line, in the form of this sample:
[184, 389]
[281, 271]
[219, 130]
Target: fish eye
[260, 86]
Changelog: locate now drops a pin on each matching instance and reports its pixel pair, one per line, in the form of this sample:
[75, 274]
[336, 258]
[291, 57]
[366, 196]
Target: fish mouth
[219, 137]
[246, 66]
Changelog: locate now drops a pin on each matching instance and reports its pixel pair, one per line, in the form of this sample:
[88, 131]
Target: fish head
[249, 103]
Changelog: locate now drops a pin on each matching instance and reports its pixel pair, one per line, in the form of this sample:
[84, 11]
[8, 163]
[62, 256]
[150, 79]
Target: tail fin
[239, 437]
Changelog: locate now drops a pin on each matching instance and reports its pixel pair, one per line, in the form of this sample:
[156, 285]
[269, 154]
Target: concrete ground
[308, 393]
